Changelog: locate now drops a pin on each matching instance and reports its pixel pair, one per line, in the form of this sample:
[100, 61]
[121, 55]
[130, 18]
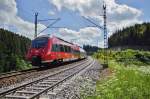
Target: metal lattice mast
[36, 15]
[105, 36]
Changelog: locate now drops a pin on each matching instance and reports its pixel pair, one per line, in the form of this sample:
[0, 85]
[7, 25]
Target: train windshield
[39, 42]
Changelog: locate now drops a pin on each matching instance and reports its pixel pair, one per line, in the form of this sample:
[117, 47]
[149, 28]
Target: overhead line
[47, 19]
[49, 25]
[92, 22]
[57, 27]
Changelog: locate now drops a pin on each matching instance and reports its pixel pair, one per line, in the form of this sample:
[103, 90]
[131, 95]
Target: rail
[32, 82]
[56, 84]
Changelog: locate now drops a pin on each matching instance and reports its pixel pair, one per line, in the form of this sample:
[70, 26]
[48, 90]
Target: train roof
[65, 41]
[52, 36]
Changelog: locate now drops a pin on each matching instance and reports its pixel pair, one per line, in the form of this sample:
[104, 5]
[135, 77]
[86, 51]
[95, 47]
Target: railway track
[15, 73]
[7, 79]
[45, 84]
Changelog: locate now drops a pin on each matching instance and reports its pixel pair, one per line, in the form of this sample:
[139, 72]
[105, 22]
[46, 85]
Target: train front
[38, 50]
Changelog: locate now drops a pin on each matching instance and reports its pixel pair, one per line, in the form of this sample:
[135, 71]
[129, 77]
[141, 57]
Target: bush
[22, 65]
[13, 63]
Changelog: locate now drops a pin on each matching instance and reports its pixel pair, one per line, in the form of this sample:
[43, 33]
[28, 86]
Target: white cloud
[8, 10]
[88, 35]
[51, 13]
[93, 8]
[118, 15]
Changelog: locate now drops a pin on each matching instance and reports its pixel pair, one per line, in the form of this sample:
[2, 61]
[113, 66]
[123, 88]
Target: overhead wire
[49, 25]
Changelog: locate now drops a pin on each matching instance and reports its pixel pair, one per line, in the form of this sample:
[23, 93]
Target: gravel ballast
[81, 85]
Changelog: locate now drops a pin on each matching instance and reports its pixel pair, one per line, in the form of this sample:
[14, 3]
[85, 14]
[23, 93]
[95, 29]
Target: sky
[18, 16]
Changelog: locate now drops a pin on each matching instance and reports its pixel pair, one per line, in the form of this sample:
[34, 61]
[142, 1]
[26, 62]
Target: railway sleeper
[51, 80]
[46, 83]
[26, 92]
[16, 97]
[41, 85]
[55, 79]
[34, 88]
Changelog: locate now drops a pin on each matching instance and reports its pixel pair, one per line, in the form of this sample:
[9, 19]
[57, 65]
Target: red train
[46, 49]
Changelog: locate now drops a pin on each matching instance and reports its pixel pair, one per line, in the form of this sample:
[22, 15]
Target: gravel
[81, 85]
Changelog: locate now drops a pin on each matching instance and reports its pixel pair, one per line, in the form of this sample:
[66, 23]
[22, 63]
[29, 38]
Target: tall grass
[130, 80]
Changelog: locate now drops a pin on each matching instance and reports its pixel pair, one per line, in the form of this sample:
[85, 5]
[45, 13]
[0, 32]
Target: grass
[131, 78]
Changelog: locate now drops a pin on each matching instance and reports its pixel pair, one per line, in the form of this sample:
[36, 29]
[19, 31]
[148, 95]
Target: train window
[58, 48]
[73, 51]
[66, 48]
[62, 48]
[54, 48]
[76, 52]
[69, 49]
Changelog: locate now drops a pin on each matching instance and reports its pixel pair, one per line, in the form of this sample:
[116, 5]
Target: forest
[90, 49]
[13, 48]
[137, 35]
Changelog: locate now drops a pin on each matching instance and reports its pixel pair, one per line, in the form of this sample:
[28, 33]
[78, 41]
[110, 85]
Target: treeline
[13, 48]
[90, 49]
[137, 35]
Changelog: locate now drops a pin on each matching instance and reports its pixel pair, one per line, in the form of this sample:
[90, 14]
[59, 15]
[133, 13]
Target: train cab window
[39, 42]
